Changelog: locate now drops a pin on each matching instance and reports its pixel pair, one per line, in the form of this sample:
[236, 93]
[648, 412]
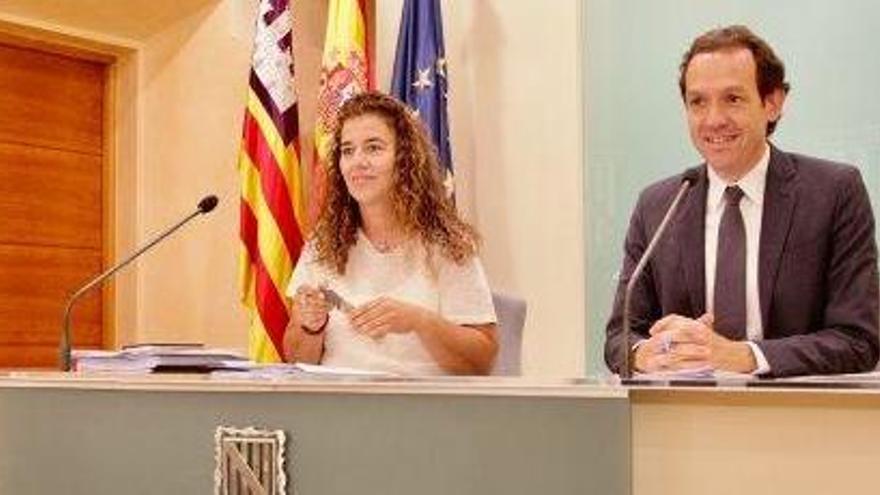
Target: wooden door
[51, 201]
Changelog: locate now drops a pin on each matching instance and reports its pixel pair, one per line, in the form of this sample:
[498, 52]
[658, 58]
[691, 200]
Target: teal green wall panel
[635, 127]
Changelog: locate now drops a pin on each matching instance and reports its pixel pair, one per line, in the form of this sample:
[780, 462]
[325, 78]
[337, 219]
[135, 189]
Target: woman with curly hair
[390, 280]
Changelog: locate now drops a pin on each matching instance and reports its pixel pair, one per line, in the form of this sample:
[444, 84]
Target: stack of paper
[158, 357]
[695, 375]
[111, 361]
[297, 370]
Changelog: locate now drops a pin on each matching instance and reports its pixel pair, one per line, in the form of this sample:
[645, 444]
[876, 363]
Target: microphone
[207, 204]
[688, 178]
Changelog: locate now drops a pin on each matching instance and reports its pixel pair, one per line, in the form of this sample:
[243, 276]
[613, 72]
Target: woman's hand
[385, 315]
[312, 308]
[456, 348]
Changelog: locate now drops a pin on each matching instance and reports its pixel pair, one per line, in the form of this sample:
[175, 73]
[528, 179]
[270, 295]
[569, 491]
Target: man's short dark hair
[770, 71]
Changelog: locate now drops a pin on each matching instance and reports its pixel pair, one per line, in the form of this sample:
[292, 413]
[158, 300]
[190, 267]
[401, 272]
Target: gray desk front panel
[149, 442]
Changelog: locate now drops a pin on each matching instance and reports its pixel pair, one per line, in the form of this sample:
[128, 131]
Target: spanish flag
[272, 202]
[345, 72]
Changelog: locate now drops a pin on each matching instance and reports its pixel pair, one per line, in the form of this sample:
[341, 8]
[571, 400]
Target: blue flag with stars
[419, 78]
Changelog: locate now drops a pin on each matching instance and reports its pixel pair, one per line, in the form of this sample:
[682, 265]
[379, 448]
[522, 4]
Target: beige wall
[517, 125]
[193, 92]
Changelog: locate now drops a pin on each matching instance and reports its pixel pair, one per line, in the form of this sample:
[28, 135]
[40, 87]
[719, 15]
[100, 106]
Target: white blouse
[459, 293]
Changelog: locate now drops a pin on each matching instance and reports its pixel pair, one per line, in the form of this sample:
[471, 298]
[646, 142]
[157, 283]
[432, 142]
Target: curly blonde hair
[418, 197]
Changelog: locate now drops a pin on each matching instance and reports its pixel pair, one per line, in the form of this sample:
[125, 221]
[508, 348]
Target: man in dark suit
[769, 265]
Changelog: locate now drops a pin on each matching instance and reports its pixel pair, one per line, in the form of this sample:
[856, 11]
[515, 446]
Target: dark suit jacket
[817, 266]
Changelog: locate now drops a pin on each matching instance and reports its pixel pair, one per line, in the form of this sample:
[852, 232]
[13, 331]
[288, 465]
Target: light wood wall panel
[52, 170]
[51, 100]
[49, 197]
[34, 287]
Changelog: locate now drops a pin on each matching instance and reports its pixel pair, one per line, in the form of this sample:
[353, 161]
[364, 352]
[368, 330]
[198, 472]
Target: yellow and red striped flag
[272, 202]
[345, 72]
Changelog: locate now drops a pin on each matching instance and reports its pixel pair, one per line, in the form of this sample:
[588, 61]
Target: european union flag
[419, 77]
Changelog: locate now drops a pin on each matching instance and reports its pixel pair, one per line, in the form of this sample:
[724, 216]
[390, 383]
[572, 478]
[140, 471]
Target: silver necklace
[382, 246]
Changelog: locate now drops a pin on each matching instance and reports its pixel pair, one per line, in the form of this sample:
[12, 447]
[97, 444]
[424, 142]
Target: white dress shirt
[751, 207]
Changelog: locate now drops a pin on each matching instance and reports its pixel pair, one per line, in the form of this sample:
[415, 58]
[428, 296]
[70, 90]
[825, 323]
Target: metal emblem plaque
[249, 461]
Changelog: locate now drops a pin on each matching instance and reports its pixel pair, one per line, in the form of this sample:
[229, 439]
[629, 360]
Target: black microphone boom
[207, 204]
[687, 179]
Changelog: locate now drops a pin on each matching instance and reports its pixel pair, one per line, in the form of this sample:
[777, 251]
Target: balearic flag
[345, 72]
[272, 203]
[419, 77]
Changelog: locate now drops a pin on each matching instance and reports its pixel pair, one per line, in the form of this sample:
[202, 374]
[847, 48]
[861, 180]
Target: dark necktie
[730, 269]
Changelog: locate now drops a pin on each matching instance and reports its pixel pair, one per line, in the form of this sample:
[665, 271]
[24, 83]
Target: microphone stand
[205, 205]
[626, 372]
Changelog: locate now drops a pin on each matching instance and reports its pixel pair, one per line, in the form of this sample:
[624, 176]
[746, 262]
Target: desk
[755, 441]
[91, 434]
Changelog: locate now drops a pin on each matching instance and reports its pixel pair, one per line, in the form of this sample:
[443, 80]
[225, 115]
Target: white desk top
[477, 386]
[599, 388]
